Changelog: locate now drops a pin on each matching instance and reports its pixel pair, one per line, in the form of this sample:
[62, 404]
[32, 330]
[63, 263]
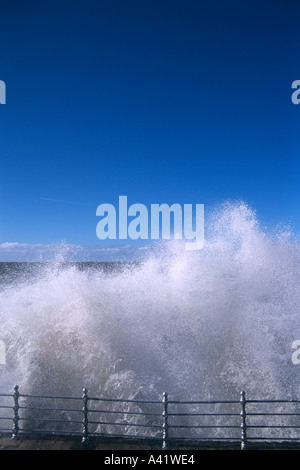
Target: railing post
[85, 410]
[165, 421]
[15, 431]
[243, 421]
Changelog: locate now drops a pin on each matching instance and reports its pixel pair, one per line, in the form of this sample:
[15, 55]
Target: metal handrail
[158, 424]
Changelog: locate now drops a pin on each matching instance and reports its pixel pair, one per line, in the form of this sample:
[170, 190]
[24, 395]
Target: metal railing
[241, 421]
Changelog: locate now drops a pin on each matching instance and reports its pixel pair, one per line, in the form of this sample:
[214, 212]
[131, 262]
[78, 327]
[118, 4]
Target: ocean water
[199, 325]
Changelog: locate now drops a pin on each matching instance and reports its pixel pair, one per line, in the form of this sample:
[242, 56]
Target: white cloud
[60, 252]
[16, 251]
[11, 245]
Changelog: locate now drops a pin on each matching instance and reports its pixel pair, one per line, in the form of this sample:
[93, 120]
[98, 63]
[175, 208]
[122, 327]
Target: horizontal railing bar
[47, 431]
[203, 414]
[127, 436]
[272, 426]
[22, 395]
[49, 420]
[126, 424]
[273, 414]
[124, 412]
[153, 401]
[119, 400]
[209, 438]
[208, 402]
[170, 402]
[204, 426]
[272, 401]
[47, 409]
[278, 439]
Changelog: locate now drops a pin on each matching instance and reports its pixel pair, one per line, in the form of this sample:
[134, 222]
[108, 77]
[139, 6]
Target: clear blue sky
[183, 101]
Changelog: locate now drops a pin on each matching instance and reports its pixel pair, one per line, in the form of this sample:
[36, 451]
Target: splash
[200, 324]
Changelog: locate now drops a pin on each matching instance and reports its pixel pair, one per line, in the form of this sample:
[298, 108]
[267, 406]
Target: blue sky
[163, 101]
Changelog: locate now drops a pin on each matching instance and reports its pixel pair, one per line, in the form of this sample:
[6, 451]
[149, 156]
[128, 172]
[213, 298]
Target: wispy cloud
[64, 201]
[59, 252]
